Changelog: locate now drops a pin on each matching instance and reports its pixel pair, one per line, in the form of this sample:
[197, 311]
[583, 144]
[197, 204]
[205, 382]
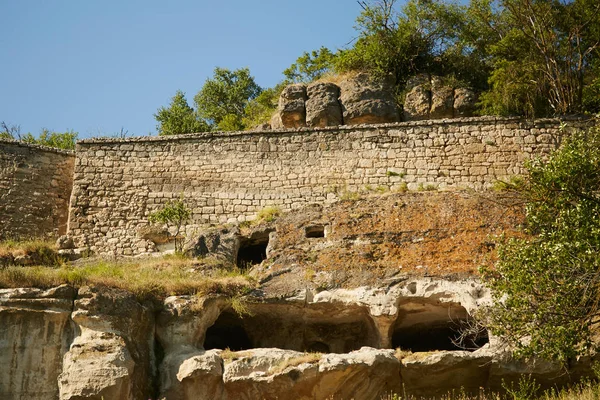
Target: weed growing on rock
[174, 214]
[295, 361]
[268, 214]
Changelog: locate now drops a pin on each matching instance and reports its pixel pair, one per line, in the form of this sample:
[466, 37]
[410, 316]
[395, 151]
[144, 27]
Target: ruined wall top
[485, 120]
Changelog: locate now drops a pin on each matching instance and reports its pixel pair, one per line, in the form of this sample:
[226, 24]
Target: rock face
[206, 351]
[112, 357]
[442, 100]
[275, 374]
[323, 106]
[35, 333]
[292, 110]
[220, 243]
[429, 98]
[368, 100]
[464, 102]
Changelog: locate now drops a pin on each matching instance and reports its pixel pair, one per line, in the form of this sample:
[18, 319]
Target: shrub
[174, 214]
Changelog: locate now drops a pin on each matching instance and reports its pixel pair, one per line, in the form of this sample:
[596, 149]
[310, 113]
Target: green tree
[174, 214]
[388, 43]
[179, 118]
[223, 98]
[547, 58]
[259, 110]
[61, 140]
[310, 66]
[546, 287]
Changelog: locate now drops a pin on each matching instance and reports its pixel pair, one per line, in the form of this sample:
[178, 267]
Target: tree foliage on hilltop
[179, 118]
[223, 98]
[546, 287]
[60, 140]
[221, 104]
[527, 57]
[310, 66]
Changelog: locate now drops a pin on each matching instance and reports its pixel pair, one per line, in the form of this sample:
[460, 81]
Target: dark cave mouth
[253, 249]
[434, 329]
[424, 327]
[292, 332]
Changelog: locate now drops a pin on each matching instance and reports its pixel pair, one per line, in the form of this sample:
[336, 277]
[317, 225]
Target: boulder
[220, 243]
[442, 100]
[435, 374]
[276, 121]
[277, 374]
[464, 102]
[112, 356]
[368, 100]
[417, 103]
[323, 106]
[65, 242]
[429, 98]
[292, 109]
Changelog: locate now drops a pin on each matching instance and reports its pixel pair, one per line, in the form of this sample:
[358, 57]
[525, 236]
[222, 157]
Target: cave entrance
[227, 333]
[323, 329]
[314, 231]
[253, 249]
[427, 327]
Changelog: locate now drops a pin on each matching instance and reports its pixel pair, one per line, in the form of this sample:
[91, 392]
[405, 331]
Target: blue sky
[96, 66]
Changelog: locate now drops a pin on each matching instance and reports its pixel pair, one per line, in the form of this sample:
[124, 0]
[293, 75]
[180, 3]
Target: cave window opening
[318, 347]
[252, 251]
[227, 333]
[314, 231]
[432, 332]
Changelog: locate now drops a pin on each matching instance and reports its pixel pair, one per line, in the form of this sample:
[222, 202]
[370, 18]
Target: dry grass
[157, 277]
[293, 362]
[41, 251]
[332, 77]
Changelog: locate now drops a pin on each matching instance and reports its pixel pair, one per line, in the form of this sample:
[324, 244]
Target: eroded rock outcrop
[35, 333]
[208, 351]
[323, 105]
[181, 331]
[292, 109]
[368, 100]
[428, 97]
[268, 373]
[112, 356]
[464, 102]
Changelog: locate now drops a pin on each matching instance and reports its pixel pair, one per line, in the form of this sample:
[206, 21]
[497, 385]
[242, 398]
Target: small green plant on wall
[174, 214]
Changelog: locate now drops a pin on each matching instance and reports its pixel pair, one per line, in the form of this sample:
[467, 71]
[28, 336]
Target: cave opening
[314, 231]
[291, 327]
[253, 249]
[427, 327]
[227, 332]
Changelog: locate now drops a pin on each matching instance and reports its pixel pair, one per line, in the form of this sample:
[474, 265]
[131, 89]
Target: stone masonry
[227, 177]
[35, 187]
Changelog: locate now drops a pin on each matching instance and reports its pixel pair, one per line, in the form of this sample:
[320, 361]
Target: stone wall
[226, 177]
[35, 187]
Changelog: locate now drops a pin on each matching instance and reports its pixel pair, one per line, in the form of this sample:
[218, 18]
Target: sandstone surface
[292, 109]
[368, 100]
[35, 333]
[428, 97]
[112, 355]
[323, 105]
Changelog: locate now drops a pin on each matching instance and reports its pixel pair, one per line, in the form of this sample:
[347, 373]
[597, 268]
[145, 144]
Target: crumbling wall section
[35, 187]
[226, 177]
